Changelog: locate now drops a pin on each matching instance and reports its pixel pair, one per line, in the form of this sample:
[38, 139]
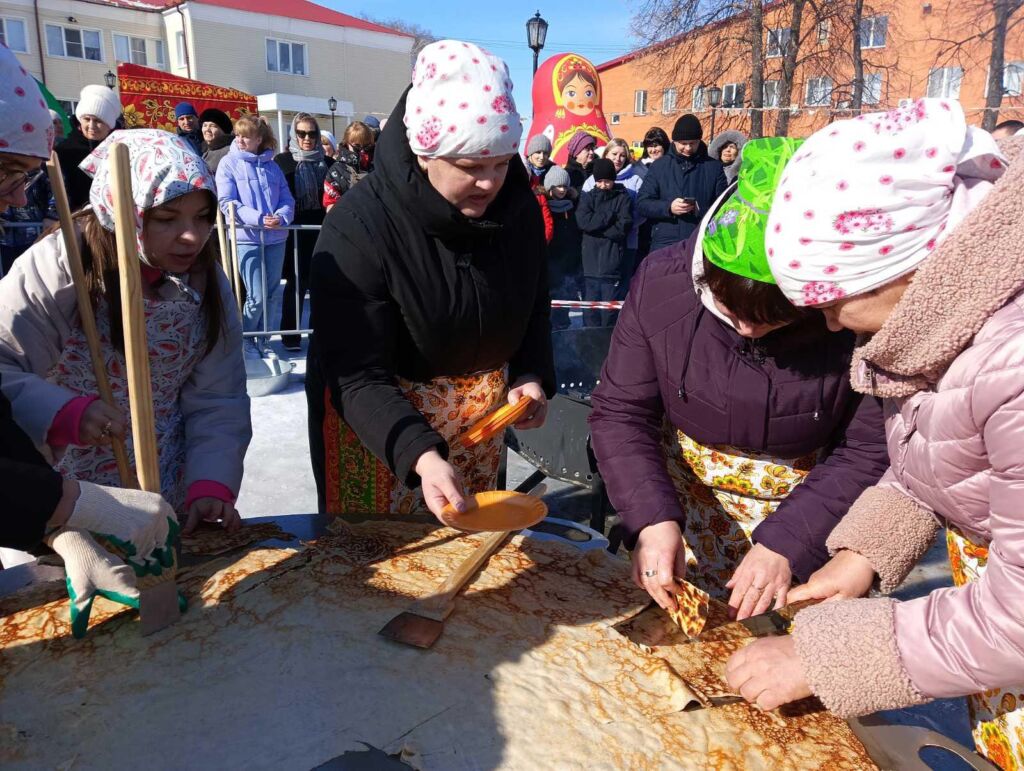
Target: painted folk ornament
[566, 99]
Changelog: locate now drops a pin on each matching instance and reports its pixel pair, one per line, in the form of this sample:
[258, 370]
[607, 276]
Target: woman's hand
[530, 386]
[845, 576]
[768, 672]
[763, 576]
[440, 484]
[271, 221]
[99, 423]
[212, 510]
[659, 558]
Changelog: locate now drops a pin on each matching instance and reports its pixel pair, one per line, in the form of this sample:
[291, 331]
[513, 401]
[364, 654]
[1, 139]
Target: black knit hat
[213, 115]
[687, 129]
[604, 169]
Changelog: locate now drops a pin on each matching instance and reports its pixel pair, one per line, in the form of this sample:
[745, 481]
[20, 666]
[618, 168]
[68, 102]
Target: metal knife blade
[774, 622]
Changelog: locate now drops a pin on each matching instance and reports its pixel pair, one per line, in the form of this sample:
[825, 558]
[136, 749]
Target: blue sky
[597, 29]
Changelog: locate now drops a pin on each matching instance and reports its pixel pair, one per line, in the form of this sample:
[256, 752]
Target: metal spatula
[423, 622]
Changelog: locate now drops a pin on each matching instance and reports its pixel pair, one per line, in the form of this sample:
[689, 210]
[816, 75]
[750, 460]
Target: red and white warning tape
[606, 306]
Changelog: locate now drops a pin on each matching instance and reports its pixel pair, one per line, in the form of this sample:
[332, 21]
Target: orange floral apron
[997, 716]
[725, 493]
[358, 483]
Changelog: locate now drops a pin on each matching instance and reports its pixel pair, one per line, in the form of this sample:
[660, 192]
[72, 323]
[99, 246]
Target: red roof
[289, 9]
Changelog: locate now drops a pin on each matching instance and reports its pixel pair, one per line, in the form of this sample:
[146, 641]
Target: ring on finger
[106, 429]
[650, 573]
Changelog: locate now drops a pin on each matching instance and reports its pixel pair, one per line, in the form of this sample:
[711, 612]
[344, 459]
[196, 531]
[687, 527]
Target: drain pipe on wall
[39, 41]
[184, 41]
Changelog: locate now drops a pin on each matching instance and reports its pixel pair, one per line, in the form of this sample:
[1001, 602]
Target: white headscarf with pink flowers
[26, 127]
[460, 104]
[163, 167]
[866, 200]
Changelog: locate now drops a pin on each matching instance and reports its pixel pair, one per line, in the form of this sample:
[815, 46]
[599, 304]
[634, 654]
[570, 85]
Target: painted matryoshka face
[579, 97]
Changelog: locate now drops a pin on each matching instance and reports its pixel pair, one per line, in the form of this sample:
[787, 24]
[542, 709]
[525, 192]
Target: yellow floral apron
[997, 716]
[725, 493]
[358, 483]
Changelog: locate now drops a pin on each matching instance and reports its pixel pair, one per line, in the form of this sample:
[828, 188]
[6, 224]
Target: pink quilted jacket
[950, 363]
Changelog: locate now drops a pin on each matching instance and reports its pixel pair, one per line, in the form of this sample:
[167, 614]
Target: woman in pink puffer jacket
[919, 244]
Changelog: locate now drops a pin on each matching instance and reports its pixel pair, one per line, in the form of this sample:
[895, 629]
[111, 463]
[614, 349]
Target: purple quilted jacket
[787, 394]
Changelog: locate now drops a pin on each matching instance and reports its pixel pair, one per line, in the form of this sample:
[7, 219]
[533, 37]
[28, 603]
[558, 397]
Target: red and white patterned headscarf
[25, 124]
[163, 167]
[866, 200]
[460, 104]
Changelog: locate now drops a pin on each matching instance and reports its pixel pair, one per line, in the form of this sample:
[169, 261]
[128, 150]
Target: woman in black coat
[429, 298]
[305, 167]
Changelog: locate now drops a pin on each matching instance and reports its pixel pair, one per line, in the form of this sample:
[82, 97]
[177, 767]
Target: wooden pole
[225, 256]
[85, 312]
[136, 349]
[236, 274]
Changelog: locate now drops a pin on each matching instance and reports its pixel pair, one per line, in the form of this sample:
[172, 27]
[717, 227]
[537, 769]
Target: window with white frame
[74, 43]
[733, 94]
[819, 92]
[945, 82]
[770, 90]
[616, 119]
[873, 31]
[824, 26]
[179, 49]
[668, 100]
[872, 89]
[12, 34]
[130, 49]
[778, 41]
[640, 102]
[1013, 79]
[283, 56]
[159, 55]
[700, 98]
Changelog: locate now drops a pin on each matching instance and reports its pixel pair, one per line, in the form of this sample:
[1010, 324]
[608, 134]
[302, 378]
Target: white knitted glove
[133, 520]
[91, 570]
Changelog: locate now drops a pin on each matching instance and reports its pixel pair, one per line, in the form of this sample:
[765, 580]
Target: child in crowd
[564, 277]
[249, 180]
[198, 377]
[538, 155]
[604, 217]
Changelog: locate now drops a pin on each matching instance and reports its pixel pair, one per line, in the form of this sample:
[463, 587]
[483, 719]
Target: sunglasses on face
[12, 180]
[306, 134]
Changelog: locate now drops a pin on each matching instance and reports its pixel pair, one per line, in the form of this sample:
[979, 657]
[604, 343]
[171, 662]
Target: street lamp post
[110, 79]
[332, 105]
[536, 35]
[714, 99]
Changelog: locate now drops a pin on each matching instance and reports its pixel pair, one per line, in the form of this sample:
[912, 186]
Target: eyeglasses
[306, 134]
[12, 180]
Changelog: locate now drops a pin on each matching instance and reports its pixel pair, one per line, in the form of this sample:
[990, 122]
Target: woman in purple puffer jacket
[918, 246]
[724, 425]
[250, 181]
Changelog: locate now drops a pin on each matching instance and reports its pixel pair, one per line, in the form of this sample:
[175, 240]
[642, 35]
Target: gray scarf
[310, 170]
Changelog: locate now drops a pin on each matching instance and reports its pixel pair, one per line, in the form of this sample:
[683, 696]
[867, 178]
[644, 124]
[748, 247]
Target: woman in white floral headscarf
[202, 411]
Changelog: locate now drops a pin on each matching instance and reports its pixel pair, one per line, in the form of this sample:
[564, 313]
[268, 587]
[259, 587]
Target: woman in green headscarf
[724, 424]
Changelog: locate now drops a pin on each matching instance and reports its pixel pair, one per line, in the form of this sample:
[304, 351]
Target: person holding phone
[680, 186]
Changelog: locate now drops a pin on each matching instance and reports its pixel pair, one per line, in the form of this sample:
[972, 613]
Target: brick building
[904, 58]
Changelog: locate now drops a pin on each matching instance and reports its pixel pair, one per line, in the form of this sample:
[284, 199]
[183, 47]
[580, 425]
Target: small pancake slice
[693, 608]
[496, 422]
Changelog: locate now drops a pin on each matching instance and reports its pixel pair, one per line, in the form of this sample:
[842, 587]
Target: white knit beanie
[101, 102]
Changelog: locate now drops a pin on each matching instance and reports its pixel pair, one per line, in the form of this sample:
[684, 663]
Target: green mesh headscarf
[734, 240]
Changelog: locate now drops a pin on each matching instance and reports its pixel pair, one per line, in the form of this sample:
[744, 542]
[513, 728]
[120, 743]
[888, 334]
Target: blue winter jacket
[257, 187]
[676, 176]
[631, 178]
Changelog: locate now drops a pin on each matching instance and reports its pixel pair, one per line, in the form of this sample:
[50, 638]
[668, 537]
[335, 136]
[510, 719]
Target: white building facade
[288, 53]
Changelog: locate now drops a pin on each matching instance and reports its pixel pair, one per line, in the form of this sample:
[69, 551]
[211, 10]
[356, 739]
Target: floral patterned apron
[725, 493]
[175, 332]
[358, 483]
[997, 716]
